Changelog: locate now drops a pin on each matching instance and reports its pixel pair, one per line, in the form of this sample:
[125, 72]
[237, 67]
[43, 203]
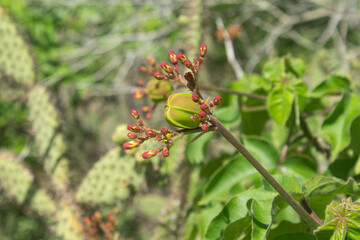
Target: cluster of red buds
[206, 109]
[173, 73]
[141, 133]
[157, 91]
[96, 227]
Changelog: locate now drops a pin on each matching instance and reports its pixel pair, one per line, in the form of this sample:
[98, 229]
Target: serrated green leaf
[340, 231]
[337, 126]
[280, 102]
[331, 85]
[237, 209]
[321, 190]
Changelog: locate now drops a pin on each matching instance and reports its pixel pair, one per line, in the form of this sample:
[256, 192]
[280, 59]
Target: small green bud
[158, 91]
[180, 109]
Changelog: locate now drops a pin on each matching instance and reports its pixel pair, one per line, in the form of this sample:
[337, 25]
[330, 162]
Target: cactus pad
[15, 61]
[109, 180]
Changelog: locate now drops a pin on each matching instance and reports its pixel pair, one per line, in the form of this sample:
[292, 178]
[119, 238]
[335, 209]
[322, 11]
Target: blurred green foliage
[300, 57]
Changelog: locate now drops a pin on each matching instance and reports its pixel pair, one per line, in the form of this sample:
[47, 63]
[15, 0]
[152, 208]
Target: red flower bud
[204, 106]
[195, 97]
[140, 83]
[173, 57]
[132, 135]
[203, 49]
[166, 67]
[158, 76]
[135, 114]
[205, 127]
[165, 153]
[217, 100]
[110, 217]
[202, 114]
[188, 64]
[149, 154]
[151, 61]
[143, 69]
[133, 128]
[148, 115]
[145, 109]
[87, 220]
[138, 94]
[150, 133]
[181, 57]
[131, 144]
[164, 130]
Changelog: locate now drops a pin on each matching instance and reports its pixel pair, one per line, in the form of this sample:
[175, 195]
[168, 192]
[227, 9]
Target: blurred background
[87, 54]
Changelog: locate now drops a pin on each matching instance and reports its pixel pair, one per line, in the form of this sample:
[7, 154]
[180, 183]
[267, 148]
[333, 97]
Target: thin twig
[230, 52]
[224, 90]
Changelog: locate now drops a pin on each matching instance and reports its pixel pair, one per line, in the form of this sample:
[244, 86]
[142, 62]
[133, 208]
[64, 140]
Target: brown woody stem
[283, 193]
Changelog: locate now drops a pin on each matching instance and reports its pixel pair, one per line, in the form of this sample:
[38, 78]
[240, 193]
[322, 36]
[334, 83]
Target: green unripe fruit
[179, 110]
[158, 90]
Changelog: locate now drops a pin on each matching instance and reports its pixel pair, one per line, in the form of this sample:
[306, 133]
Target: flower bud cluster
[140, 133]
[173, 72]
[206, 109]
[96, 226]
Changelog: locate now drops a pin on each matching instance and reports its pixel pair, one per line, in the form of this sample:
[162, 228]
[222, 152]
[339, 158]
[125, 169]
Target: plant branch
[283, 193]
[224, 90]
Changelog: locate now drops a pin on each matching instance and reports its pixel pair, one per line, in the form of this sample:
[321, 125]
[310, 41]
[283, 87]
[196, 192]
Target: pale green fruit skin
[179, 109]
[158, 90]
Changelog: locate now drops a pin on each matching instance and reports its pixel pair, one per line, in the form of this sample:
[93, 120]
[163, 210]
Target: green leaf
[331, 84]
[223, 180]
[289, 183]
[237, 209]
[296, 236]
[263, 151]
[299, 166]
[300, 90]
[296, 66]
[195, 152]
[274, 70]
[280, 102]
[321, 190]
[337, 126]
[252, 121]
[340, 231]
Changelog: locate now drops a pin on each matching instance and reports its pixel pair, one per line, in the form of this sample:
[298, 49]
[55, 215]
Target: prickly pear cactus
[68, 225]
[17, 181]
[16, 63]
[109, 180]
[49, 141]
